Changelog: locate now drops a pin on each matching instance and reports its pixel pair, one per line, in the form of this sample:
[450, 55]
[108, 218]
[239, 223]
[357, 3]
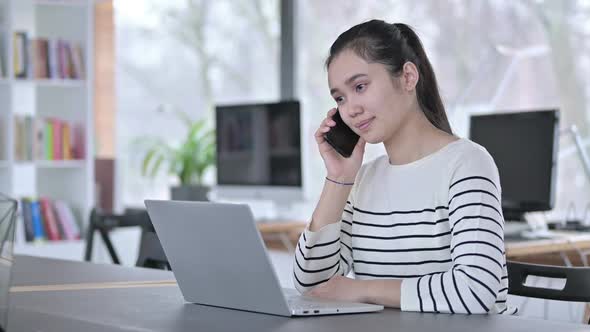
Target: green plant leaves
[189, 160]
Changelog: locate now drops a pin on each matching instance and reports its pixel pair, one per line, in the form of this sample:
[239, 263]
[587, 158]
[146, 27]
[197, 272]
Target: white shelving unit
[66, 99]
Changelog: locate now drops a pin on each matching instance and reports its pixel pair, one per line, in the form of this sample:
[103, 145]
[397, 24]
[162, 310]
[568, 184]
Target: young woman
[421, 228]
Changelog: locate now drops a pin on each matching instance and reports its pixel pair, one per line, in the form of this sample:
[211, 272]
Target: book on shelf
[3, 55]
[47, 58]
[27, 219]
[23, 140]
[46, 219]
[20, 54]
[47, 139]
[3, 67]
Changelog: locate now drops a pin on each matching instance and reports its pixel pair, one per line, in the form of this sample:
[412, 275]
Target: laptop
[219, 259]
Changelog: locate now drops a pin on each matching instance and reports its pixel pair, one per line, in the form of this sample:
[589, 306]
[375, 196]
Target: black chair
[576, 289]
[150, 253]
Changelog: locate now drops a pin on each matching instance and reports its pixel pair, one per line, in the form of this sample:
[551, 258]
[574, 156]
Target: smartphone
[341, 137]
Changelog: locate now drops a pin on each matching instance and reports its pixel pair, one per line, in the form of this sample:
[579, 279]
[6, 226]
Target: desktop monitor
[524, 147]
[259, 151]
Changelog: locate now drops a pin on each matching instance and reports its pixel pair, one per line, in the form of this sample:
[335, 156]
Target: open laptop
[219, 259]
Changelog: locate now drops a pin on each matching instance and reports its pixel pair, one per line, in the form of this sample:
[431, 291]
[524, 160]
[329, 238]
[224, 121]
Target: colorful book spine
[66, 217]
[53, 58]
[18, 142]
[63, 59]
[36, 217]
[49, 219]
[20, 54]
[27, 219]
[67, 142]
[39, 141]
[28, 138]
[48, 140]
[79, 149]
[57, 139]
[78, 60]
[58, 222]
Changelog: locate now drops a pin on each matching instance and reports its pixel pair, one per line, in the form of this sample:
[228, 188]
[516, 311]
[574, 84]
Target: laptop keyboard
[299, 302]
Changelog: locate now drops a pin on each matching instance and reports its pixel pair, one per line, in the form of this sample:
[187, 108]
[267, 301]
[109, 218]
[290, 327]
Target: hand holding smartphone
[341, 137]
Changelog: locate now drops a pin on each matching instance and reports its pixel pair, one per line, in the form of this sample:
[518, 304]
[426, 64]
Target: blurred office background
[488, 56]
[149, 60]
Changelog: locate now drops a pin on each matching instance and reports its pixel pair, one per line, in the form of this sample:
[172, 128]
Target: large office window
[487, 55]
[186, 55]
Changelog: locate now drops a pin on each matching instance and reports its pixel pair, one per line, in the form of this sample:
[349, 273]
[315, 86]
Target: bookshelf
[61, 97]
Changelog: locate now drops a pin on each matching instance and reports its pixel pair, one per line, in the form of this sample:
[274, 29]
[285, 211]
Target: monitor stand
[538, 233]
[291, 211]
[518, 226]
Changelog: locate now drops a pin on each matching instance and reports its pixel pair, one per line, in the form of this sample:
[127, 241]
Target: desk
[35, 271]
[565, 242]
[288, 232]
[163, 309]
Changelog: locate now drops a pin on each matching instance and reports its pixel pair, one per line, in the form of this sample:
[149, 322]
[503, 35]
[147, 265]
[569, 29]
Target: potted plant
[188, 160]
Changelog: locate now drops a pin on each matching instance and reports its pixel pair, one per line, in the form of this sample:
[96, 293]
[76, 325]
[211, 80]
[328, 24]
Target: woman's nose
[355, 111]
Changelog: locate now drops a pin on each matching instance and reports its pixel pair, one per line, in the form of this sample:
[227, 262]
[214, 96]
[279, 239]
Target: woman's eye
[360, 87]
[338, 99]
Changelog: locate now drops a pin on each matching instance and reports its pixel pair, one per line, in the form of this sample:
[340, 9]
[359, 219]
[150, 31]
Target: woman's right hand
[338, 167]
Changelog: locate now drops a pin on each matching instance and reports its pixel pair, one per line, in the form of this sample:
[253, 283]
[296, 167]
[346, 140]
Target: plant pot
[190, 193]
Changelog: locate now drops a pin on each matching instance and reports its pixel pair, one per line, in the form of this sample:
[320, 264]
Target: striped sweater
[436, 223]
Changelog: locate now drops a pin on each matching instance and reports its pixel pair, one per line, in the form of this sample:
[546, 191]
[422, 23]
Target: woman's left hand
[341, 288]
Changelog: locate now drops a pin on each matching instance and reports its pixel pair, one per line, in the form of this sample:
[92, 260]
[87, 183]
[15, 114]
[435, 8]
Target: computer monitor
[259, 152]
[524, 146]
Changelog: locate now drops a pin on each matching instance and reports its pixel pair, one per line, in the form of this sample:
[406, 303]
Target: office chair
[150, 253]
[576, 289]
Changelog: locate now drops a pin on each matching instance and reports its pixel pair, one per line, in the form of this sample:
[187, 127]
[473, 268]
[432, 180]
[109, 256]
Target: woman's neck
[415, 139]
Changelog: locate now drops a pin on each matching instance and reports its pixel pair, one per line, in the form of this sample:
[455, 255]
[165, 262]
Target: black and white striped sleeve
[472, 284]
[325, 253]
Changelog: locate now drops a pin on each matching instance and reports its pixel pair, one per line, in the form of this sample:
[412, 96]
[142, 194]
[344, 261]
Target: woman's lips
[365, 124]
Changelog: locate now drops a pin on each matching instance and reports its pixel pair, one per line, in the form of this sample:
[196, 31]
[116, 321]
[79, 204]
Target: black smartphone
[341, 137]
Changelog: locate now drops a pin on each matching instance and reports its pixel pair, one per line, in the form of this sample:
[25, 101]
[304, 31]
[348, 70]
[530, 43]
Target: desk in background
[516, 248]
[566, 241]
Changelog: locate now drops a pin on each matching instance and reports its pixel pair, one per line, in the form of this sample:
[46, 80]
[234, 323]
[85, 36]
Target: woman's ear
[410, 76]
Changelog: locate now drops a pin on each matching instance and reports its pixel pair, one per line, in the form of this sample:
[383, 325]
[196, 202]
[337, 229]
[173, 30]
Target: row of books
[43, 58]
[46, 219]
[47, 139]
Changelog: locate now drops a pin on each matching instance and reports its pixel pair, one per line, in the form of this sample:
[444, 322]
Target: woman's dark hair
[393, 45]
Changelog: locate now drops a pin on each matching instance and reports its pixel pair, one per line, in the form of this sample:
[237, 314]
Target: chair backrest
[131, 217]
[576, 289]
[151, 253]
[105, 222]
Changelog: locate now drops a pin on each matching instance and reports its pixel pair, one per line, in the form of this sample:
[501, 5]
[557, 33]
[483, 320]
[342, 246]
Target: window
[188, 56]
[487, 55]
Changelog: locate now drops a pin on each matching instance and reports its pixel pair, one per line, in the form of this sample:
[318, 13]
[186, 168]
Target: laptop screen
[8, 209]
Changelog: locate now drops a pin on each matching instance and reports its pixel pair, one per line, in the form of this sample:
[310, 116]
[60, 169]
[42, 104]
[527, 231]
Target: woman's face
[368, 99]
